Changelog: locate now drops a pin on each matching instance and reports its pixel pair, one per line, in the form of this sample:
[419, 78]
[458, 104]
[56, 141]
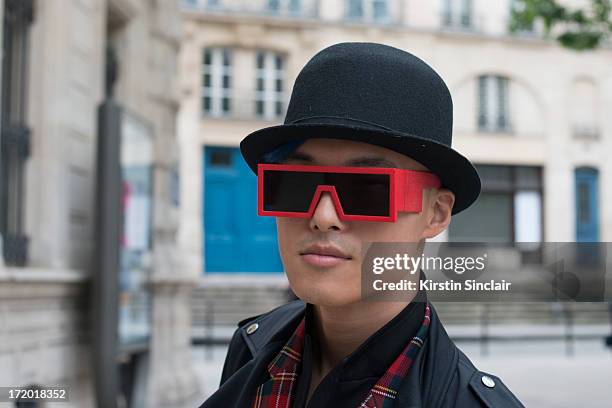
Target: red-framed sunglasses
[358, 193]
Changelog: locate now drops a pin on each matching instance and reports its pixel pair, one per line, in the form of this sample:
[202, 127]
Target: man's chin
[329, 296]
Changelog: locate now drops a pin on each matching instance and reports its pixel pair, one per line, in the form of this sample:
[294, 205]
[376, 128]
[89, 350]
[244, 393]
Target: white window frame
[458, 13]
[368, 11]
[286, 7]
[215, 91]
[269, 74]
[493, 93]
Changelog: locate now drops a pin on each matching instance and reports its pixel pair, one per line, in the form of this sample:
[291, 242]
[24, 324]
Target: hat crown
[377, 94]
[373, 85]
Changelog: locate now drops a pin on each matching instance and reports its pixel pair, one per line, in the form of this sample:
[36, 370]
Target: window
[217, 81]
[584, 203]
[292, 7]
[220, 157]
[209, 4]
[587, 204]
[457, 13]
[270, 84]
[355, 9]
[509, 209]
[493, 103]
[372, 10]
[15, 134]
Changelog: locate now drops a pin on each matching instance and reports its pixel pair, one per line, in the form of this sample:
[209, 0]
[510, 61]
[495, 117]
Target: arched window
[493, 103]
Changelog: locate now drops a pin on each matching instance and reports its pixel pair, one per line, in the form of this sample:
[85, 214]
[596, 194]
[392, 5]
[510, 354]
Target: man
[360, 115]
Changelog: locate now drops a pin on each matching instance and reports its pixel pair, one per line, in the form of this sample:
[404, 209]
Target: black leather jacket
[441, 376]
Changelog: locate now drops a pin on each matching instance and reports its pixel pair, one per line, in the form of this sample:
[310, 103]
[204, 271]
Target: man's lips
[323, 260]
[325, 249]
[324, 256]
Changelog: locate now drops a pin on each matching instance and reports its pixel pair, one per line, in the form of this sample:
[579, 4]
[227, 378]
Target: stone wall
[44, 307]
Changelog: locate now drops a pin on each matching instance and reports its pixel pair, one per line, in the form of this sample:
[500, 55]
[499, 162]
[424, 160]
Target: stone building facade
[45, 282]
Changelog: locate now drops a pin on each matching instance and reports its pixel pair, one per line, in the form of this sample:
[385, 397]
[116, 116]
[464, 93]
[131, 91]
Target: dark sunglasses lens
[290, 191]
[363, 194]
[359, 194]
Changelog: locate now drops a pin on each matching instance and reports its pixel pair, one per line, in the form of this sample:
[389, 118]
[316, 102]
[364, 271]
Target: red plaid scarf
[279, 390]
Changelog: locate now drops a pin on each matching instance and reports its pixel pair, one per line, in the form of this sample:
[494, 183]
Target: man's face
[336, 280]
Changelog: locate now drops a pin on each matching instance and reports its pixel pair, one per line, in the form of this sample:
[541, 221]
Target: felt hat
[376, 94]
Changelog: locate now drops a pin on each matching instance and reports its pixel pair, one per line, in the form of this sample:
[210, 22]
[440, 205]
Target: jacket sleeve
[238, 354]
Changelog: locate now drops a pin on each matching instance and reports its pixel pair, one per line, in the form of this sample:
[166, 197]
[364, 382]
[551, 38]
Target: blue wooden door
[236, 239]
[587, 204]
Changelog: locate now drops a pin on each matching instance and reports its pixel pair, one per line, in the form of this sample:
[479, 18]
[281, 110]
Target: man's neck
[338, 331]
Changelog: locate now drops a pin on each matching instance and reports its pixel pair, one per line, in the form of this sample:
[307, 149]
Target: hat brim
[455, 171]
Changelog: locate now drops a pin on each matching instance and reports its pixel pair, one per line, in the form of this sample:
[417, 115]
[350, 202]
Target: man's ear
[439, 208]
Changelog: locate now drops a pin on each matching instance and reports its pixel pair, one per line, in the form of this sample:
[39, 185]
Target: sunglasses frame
[405, 190]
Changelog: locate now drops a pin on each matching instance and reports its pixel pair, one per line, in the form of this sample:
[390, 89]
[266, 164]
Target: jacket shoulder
[488, 389]
[254, 332]
[276, 324]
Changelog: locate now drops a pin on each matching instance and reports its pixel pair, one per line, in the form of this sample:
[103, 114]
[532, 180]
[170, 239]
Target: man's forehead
[336, 152]
[355, 160]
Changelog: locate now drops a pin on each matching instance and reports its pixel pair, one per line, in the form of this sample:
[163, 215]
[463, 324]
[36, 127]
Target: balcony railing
[272, 8]
[247, 105]
[501, 124]
[457, 20]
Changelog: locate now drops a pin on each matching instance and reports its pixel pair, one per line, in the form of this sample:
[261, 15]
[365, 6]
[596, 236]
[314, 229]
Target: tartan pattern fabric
[384, 391]
[279, 390]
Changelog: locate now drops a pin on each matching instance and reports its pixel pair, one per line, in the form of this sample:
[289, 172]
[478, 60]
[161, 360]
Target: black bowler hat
[376, 94]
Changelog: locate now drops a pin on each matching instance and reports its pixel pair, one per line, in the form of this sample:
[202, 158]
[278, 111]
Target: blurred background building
[530, 114]
[62, 60]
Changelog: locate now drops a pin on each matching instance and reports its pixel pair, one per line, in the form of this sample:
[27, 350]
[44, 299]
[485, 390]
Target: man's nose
[325, 216]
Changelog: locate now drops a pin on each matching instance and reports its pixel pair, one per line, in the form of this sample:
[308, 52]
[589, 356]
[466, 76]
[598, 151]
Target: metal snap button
[252, 328]
[488, 381]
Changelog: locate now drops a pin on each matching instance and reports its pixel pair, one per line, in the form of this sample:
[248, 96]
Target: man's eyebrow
[370, 162]
[364, 161]
[299, 156]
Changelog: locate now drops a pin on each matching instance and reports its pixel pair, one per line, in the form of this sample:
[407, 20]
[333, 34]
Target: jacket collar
[279, 324]
[431, 371]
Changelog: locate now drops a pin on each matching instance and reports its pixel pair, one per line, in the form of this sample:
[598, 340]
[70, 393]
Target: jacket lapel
[425, 386]
[239, 387]
[432, 370]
